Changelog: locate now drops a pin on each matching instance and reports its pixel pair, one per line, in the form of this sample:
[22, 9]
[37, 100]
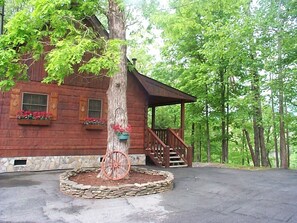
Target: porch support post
[153, 117]
[182, 120]
[166, 156]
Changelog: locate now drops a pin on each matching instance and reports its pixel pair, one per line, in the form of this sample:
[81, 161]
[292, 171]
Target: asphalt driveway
[200, 195]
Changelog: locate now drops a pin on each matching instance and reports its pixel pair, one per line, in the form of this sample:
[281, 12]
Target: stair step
[177, 161]
[177, 166]
[171, 154]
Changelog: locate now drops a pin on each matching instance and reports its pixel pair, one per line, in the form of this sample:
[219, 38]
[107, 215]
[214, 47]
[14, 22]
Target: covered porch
[166, 147]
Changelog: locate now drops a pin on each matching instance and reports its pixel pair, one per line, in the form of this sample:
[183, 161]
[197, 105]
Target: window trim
[96, 99]
[34, 93]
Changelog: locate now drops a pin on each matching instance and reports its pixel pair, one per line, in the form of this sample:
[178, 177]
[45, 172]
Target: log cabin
[65, 141]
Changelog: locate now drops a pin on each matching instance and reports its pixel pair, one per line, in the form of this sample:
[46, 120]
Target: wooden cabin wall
[66, 135]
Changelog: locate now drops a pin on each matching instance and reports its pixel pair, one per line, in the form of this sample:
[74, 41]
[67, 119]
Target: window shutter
[53, 105]
[15, 102]
[83, 108]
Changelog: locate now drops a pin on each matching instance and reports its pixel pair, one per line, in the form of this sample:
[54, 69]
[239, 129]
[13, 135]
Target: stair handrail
[161, 148]
[180, 147]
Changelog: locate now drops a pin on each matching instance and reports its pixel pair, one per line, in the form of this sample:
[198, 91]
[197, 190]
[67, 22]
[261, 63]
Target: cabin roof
[162, 94]
[159, 94]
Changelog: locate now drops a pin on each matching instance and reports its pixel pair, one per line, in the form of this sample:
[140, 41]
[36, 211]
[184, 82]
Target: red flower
[120, 129]
[34, 115]
[94, 121]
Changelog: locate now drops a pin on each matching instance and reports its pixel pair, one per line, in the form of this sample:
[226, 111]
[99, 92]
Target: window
[34, 102]
[94, 110]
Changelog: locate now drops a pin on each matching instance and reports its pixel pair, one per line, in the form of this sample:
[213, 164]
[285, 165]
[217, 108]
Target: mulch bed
[90, 178]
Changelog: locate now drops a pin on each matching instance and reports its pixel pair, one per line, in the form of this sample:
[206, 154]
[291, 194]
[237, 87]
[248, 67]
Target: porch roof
[161, 94]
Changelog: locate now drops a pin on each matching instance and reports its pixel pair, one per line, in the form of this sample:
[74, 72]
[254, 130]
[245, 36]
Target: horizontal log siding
[136, 103]
[66, 135]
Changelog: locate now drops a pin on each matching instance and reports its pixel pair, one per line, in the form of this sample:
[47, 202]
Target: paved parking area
[202, 194]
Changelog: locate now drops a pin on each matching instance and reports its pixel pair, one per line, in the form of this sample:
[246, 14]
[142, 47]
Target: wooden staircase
[175, 160]
[166, 149]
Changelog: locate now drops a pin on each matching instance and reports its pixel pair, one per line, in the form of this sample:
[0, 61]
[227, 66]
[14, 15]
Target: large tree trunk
[227, 121]
[207, 126]
[116, 93]
[193, 139]
[282, 142]
[223, 118]
[248, 140]
[274, 129]
[256, 142]
[199, 157]
[264, 154]
[287, 136]
[243, 149]
[256, 96]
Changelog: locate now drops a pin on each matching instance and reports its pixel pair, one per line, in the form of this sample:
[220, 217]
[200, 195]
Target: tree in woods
[56, 30]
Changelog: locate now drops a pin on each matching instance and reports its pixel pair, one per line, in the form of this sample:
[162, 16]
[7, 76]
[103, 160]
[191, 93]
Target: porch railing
[162, 134]
[157, 148]
[175, 142]
[169, 138]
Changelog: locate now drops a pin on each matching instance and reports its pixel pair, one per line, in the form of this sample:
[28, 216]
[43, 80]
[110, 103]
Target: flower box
[123, 136]
[38, 122]
[94, 127]
[123, 133]
[94, 123]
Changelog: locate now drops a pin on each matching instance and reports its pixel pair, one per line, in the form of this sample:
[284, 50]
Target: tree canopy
[60, 26]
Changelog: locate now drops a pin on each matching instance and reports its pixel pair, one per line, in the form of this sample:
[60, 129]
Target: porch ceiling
[161, 94]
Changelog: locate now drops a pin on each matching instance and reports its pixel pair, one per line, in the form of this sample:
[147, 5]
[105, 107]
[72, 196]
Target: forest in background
[238, 57]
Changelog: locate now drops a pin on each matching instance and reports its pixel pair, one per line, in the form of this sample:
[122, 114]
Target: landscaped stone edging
[106, 192]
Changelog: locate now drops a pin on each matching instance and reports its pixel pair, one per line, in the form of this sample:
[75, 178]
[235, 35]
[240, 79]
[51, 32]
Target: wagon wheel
[116, 165]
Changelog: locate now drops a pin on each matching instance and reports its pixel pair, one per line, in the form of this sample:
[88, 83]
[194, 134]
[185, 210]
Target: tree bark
[264, 157]
[199, 157]
[227, 121]
[256, 142]
[282, 142]
[274, 129]
[248, 140]
[207, 126]
[243, 149]
[193, 139]
[287, 136]
[116, 93]
[223, 118]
